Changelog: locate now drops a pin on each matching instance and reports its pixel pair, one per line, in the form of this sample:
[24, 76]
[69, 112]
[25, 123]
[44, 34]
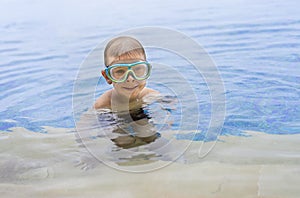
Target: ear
[106, 78]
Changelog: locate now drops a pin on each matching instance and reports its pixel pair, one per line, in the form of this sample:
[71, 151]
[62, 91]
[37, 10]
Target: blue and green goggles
[119, 72]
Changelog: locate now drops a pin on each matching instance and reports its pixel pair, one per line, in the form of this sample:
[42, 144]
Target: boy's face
[131, 87]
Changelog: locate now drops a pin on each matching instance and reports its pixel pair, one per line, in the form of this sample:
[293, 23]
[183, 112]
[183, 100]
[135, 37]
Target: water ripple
[257, 55]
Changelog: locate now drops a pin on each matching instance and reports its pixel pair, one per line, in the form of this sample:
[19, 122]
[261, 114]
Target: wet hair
[123, 48]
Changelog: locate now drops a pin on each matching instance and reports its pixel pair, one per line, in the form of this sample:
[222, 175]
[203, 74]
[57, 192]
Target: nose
[130, 77]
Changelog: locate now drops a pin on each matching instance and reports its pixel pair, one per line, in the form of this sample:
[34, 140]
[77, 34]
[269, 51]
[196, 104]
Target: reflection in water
[132, 137]
[134, 129]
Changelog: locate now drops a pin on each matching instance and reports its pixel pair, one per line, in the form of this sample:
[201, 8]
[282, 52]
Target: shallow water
[255, 46]
[52, 165]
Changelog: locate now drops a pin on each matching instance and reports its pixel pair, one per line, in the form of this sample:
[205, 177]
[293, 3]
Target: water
[255, 45]
[256, 52]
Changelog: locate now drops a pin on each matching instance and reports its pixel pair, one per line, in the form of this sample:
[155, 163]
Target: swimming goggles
[119, 72]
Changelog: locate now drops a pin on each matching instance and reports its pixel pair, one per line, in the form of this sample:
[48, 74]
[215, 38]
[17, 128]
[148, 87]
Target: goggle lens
[120, 72]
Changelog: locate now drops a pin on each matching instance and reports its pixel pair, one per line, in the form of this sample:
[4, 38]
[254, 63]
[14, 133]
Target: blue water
[255, 44]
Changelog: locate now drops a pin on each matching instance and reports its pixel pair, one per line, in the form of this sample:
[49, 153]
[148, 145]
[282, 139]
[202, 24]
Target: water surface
[256, 47]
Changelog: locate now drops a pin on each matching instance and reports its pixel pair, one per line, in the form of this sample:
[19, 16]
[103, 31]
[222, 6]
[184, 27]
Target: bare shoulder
[148, 91]
[104, 100]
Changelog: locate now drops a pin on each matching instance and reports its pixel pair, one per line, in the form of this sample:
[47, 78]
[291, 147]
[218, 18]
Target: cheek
[142, 83]
[116, 86]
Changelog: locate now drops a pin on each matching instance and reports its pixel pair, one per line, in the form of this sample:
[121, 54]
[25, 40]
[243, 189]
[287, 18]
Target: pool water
[257, 54]
[255, 46]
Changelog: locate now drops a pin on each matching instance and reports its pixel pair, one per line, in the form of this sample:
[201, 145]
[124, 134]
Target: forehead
[116, 60]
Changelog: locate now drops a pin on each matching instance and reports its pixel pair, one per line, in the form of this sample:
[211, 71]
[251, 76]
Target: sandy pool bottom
[50, 165]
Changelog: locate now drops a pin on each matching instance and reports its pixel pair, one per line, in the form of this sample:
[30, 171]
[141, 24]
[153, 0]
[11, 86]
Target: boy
[127, 70]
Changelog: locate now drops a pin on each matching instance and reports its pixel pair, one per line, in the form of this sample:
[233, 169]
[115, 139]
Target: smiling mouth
[130, 88]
